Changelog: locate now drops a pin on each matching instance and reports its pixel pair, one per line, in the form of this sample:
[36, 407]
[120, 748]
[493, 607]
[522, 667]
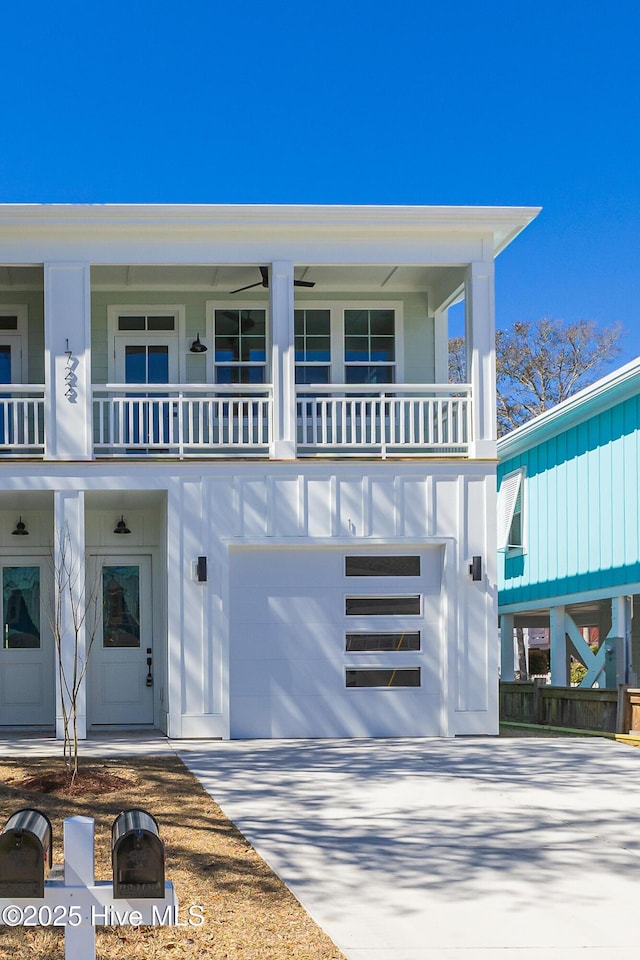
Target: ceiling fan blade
[248, 287]
[304, 283]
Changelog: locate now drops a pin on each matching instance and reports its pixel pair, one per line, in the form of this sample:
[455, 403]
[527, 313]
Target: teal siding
[582, 521]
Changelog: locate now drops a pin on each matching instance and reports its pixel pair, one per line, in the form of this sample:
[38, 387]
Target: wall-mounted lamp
[200, 570]
[20, 530]
[197, 346]
[121, 526]
[475, 568]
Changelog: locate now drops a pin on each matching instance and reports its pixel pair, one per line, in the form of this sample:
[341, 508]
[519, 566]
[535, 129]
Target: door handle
[149, 662]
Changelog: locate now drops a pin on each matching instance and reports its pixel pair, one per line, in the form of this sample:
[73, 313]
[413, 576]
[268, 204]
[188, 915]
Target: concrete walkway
[470, 849]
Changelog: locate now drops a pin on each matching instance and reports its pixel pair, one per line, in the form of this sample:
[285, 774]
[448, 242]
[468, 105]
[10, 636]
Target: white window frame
[210, 322]
[119, 338]
[18, 339]
[512, 488]
[337, 309]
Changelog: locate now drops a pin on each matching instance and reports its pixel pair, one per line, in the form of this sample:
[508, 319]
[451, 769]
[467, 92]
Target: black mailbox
[137, 856]
[25, 854]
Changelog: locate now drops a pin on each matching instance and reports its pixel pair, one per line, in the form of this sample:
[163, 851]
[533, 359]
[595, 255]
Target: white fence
[394, 419]
[182, 421]
[22, 420]
[198, 420]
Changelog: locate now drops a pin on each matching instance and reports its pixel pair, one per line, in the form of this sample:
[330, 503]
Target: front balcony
[237, 420]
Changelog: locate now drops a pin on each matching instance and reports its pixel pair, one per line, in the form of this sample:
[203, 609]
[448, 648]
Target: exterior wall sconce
[121, 526]
[197, 346]
[475, 568]
[20, 530]
[200, 570]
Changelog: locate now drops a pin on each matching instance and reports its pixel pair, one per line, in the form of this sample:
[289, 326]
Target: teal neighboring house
[569, 530]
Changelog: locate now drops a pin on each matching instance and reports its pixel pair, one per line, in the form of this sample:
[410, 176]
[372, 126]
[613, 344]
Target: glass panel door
[121, 659]
[27, 671]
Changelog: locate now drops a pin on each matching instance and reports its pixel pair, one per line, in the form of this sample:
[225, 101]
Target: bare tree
[74, 607]
[538, 365]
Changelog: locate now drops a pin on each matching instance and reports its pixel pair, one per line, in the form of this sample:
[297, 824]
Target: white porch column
[441, 337]
[69, 599]
[67, 336]
[480, 338]
[559, 666]
[507, 658]
[175, 585]
[282, 360]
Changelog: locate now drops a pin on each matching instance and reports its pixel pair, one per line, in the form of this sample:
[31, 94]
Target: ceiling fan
[264, 271]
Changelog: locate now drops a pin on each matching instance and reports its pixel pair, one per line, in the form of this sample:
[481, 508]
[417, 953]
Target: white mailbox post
[72, 898]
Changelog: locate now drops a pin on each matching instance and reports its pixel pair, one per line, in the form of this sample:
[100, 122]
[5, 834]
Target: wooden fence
[581, 708]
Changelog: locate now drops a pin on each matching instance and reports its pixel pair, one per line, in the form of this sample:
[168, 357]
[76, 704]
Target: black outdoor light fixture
[121, 526]
[20, 530]
[475, 568]
[197, 346]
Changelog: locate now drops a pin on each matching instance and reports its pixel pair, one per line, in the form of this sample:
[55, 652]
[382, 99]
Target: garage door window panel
[383, 606]
[380, 566]
[382, 642]
[383, 677]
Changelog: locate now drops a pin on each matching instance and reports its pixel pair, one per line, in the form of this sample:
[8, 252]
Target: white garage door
[328, 643]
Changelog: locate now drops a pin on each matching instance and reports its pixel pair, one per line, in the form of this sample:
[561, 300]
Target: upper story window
[369, 346]
[240, 345]
[341, 342]
[313, 346]
[510, 511]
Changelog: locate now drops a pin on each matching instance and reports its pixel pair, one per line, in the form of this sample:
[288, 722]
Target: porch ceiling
[222, 279]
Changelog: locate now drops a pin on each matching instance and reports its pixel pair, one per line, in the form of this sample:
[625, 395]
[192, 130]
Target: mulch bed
[248, 912]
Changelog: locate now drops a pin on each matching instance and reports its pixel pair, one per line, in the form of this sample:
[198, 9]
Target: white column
[175, 582]
[70, 597]
[67, 334]
[506, 647]
[480, 348]
[283, 360]
[559, 665]
[441, 338]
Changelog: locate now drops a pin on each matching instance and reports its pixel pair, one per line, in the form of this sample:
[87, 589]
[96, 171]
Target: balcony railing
[203, 420]
[22, 420]
[385, 420]
[170, 420]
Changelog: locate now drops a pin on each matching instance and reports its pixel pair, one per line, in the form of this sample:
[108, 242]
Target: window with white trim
[312, 345]
[510, 511]
[369, 346]
[240, 354]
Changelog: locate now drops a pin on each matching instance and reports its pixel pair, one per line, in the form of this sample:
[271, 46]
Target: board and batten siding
[581, 517]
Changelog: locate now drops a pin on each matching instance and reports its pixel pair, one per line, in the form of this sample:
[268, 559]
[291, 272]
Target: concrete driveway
[465, 849]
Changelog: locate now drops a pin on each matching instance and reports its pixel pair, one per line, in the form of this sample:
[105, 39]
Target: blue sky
[349, 102]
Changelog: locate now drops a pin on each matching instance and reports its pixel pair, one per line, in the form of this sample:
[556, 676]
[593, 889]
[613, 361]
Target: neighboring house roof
[604, 393]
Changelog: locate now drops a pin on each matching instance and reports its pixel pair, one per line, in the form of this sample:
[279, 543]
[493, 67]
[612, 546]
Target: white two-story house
[233, 425]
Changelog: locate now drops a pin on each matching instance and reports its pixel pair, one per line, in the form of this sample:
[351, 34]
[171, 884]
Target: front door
[121, 657]
[27, 667]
